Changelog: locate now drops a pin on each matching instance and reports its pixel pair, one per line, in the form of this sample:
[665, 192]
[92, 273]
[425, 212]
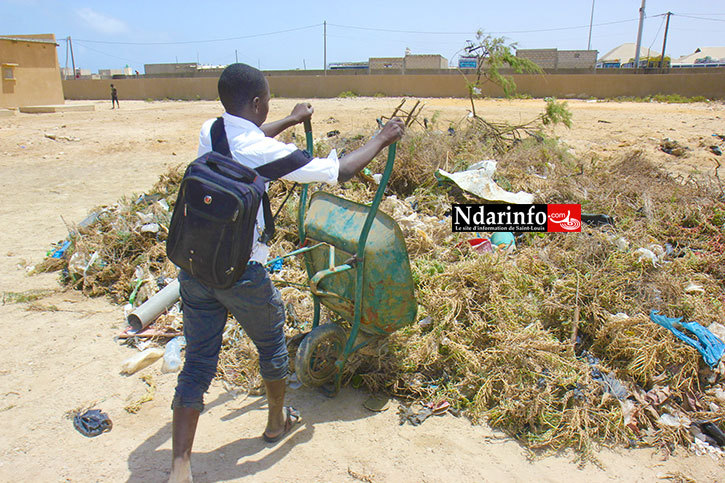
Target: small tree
[493, 54]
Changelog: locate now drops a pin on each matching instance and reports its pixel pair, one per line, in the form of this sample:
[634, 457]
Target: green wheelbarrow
[358, 267]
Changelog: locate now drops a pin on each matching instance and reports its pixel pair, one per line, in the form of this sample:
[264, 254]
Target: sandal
[292, 418]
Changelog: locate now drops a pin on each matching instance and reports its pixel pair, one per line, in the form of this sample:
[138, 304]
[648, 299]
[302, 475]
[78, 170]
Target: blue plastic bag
[706, 342]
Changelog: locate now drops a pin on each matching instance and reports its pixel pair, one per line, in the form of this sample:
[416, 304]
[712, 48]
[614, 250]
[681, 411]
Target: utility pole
[639, 37]
[236, 57]
[72, 59]
[324, 34]
[304, 64]
[591, 21]
[65, 72]
[664, 44]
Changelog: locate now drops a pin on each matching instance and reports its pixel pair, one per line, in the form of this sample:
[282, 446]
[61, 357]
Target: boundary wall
[564, 86]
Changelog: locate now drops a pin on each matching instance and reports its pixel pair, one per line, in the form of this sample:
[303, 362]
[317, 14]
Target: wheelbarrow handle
[303, 194]
[376, 200]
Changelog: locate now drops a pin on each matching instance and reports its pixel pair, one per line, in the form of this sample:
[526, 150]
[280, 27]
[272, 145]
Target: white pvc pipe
[153, 307]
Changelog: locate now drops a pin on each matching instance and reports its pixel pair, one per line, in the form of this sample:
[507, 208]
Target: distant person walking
[114, 98]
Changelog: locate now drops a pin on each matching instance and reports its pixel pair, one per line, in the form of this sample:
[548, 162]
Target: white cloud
[102, 23]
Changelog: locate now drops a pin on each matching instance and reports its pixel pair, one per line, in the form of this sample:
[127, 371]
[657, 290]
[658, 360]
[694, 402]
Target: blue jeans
[257, 306]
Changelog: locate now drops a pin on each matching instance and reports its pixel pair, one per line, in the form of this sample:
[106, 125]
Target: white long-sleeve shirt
[250, 147]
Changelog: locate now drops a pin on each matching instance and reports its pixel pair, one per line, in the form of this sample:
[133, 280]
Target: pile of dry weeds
[529, 339]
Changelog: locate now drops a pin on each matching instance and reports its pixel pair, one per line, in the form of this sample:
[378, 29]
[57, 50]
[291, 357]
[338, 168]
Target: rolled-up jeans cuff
[178, 402]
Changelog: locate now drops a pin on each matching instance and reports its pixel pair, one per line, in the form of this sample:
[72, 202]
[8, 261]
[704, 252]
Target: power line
[700, 18]
[82, 42]
[704, 14]
[203, 41]
[656, 34]
[469, 32]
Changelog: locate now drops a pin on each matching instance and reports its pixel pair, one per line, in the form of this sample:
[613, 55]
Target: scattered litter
[710, 347]
[622, 243]
[92, 423]
[694, 288]
[716, 150]
[500, 344]
[59, 252]
[276, 265]
[145, 217]
[293, 382]
[59, 137]
[487, 165]
[711, 429]
[479, 182]
[597, 220]
[377, 403]
[673, 421]
[172, 354]
[658, 395]
[147, 332]
[609, 383]
[141, 360]
[702, 448]
[482, 245]
[672, 147]
[333, 133]
[646, 254]
[417, 417]
[503, 239]
[150, 228]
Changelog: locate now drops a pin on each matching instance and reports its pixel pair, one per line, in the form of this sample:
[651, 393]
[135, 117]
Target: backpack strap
[219, 142]
[272, 170]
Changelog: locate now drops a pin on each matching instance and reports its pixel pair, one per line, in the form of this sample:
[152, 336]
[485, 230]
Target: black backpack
[212, 228]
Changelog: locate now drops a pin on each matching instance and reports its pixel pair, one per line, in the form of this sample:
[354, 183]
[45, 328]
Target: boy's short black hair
[239, 84]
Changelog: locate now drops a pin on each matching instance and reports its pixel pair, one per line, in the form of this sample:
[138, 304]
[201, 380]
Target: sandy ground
[54, 361]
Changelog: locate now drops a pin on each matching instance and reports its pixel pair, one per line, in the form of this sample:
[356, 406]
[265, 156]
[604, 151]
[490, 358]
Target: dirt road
[57, 353]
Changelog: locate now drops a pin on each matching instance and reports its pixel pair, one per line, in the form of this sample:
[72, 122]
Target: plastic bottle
[141, 360]
[504, 238]
[172, 354]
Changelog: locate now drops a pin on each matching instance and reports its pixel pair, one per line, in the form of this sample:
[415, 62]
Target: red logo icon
[564, 218]
[207, 199]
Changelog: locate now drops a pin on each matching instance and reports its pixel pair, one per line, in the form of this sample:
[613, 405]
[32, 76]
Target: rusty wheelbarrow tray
[358, 267]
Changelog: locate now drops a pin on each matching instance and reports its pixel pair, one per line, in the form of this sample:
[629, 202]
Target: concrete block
[57, 108]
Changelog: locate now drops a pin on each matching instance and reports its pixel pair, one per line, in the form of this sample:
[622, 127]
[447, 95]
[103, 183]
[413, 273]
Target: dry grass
[499, 342]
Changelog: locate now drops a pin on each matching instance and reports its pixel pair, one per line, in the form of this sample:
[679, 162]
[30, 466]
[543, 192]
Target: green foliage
[25, 297]
[663, 98]
[493, 54]
[345, 94]
[556, 112]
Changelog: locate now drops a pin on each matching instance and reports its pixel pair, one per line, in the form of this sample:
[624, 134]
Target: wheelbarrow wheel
[293, 344]
[317, 354]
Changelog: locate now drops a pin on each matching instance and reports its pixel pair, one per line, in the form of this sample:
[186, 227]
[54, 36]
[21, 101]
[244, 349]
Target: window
[8, 71]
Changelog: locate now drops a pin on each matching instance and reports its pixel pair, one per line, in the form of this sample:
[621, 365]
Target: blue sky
[444, 27]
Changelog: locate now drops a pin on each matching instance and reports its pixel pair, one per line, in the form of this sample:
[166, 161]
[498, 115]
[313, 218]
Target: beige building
[409, 62]
[30, 73]
[425, 62]
[560, 59]
[386, 63]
